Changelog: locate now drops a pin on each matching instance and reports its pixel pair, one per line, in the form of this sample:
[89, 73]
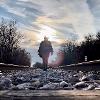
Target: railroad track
[12, 67]
[84, 66]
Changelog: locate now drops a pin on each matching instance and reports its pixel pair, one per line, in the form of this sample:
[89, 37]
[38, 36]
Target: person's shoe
[45, 69]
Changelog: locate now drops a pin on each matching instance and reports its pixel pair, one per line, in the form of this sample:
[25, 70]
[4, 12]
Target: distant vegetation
[75, 53]
[10, 50]
[72, 52]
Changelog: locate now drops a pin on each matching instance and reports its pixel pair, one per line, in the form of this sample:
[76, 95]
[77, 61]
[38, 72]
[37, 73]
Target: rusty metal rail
[84, 66]
[4, 67]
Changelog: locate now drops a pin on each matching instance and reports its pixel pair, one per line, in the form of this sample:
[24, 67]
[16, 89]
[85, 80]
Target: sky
[59, 20]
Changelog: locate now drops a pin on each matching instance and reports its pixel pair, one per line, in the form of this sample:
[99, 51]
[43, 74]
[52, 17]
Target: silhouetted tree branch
[10, 50]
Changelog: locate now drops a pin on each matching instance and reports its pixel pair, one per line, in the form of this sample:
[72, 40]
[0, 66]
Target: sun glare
[48, 32]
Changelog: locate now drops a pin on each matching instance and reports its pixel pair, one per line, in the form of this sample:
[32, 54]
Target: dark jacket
[45, 47]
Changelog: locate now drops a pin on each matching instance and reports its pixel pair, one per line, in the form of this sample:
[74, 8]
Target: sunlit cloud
[48, 32]
[43, 20]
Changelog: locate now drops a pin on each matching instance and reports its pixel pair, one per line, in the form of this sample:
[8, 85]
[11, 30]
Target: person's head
[45, 38]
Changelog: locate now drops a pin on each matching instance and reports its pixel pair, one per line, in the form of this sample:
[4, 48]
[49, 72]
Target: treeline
[75, 53]
[10, 50]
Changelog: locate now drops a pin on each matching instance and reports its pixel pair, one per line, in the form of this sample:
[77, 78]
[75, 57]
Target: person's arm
[40, 49]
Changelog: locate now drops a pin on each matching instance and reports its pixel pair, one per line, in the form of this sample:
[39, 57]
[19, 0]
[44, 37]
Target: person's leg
[47, 57]
[45, 60]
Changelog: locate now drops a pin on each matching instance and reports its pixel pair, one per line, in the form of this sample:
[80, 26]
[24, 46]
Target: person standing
[45, 49]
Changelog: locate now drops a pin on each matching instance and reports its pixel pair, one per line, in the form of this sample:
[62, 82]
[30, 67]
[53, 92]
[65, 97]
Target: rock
[63, 84]
[34, 79]
[16, 80]
[73, 80]
[37, 83]
[68, 88]
[80, 85]
[89, 77]
[14, 88]
[36, 76]
[23, 86]
[32, 88]
[55, 80]
[50, 86]
[97, 88]
[96, 84]
[6, 83]
[90, 87]
[94, 77]
[1, 87]
[40, 85]
[85, 78]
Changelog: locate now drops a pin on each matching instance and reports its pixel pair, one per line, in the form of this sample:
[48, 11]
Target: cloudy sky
[57, 19]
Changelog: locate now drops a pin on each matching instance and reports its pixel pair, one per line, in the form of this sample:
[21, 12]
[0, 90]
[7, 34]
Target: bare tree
[9, 43]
